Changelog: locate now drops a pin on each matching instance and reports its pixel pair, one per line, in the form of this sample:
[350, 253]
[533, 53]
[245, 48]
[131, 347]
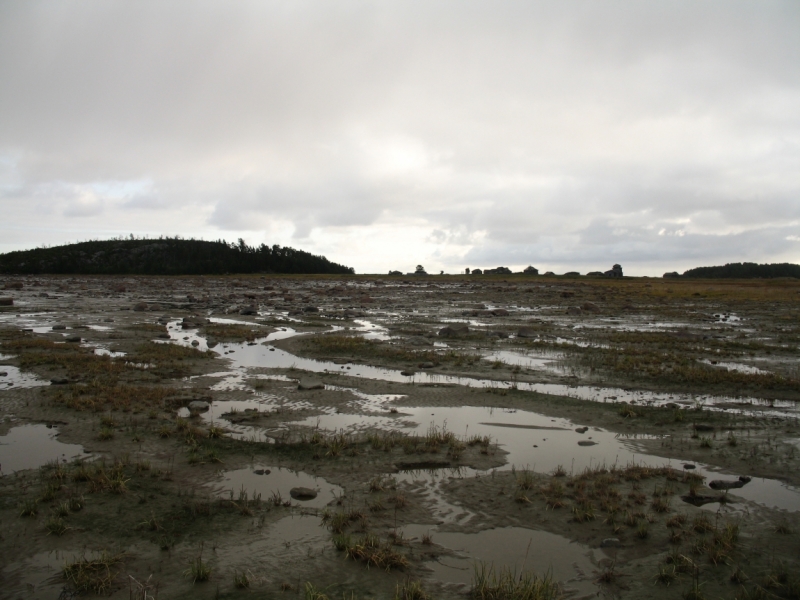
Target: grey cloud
[498, 131]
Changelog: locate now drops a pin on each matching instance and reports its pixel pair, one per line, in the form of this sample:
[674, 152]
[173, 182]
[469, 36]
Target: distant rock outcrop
[616, 271]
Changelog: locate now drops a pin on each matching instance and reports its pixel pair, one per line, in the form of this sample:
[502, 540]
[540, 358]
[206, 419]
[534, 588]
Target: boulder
[455, 330]
[527, 332]
[75, 339]
[248, 310]
[587, 443]
[408, 373]
[500, 312]
[590, 307]
[140, 306]
[59, 381]
[573, 310]
[719, 484]
[59, 327]
[582, 429]
[302, 493]
[13, 285]
[6, 302]
[310, 384]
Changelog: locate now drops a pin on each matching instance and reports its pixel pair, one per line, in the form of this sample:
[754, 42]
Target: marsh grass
[93, 574]
[198, 571]
[488, 584]
[410, 590]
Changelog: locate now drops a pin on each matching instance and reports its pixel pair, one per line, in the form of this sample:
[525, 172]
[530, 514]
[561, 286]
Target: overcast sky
[565, 135]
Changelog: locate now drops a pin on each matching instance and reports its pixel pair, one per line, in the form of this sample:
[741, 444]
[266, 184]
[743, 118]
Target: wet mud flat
[441, 437]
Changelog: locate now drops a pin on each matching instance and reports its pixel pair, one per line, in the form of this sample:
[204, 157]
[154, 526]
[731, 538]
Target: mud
[526, 442]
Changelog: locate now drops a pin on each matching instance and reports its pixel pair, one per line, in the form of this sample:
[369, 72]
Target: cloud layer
[567, 135]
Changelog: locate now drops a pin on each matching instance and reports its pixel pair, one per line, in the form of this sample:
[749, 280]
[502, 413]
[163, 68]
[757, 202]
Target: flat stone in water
[586, 443]
[302, 493]
[689, 466]
[310, 384]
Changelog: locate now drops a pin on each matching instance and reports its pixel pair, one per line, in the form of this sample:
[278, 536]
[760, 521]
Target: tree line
[166, 256]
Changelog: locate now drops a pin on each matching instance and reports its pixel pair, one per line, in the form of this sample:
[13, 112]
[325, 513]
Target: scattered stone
[455, 330]
[310, 384]
[500, 312]
[262, 471]
[719, 484]
[573, 310]
[425, 365]
[13, 285]
[163, 336]
[249, 310]
[587, 443]
[140, 306]
[689, 466]
[3, 373]
[194, 342]
[196, 406]
[527, 332]
[701, 499]
[408, 373]
[582, 429]
[302, 493]
[59, 381]
[6, 302]
[59, 327]
[309, 309]
[590, 307]
[74, 339]
[610, 543]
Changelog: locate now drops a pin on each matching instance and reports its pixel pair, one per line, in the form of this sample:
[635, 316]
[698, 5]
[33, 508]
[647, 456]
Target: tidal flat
[364, 437]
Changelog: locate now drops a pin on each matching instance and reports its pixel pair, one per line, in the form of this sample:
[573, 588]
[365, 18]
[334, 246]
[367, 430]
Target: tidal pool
[32, 446]
[270, 481]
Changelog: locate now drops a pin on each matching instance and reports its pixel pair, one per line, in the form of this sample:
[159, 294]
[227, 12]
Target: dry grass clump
[410, 590]
[101, 395]
[93, 574]
[487, 584]
[233, 333]
[371, 551]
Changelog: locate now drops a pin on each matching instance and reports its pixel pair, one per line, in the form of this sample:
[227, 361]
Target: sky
[567, 135]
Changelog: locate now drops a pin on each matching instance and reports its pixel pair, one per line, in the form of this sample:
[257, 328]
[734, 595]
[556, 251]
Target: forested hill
[745, 271]
[166, 256]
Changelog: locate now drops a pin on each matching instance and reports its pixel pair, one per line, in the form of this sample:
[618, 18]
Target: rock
[425, 365]
[194, 342]
[689, 466]
[196, 406]
[587, 443]
[590, 307]
[3, 373]
[719, 484]
[262, 471]
[154, 307]
[455, 330]
[310, 384]
[163, 336]
[701, 499]
[6, 302]
[582, 429]
[59, 327]
[302, 493]
[140, 306]
[13, 285]
[610, 543]
[59, 381]
[527, 332]
[500, 312]
[75, 339]
[408, 373]
[309, 309]
[248, 310]
[573, 310]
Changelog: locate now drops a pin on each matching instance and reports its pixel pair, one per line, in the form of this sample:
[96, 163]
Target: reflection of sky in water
[539, 449]
[14, 378]
[277, 481]
[31, 446]
[517, 549]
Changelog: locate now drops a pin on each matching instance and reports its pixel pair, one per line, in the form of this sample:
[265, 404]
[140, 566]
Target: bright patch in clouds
[569, 136]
